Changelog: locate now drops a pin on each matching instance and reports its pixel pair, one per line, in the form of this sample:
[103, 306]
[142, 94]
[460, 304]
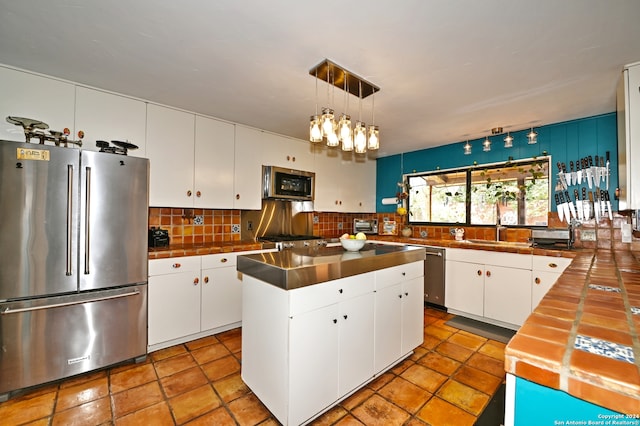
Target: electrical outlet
[340, 225]
[249, 225]
[588, 235]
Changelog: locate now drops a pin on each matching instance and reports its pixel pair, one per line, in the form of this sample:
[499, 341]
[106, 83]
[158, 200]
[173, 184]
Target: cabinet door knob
[345, 316]
[224, 260]
[340, 291]
[196, 280]
[537, 280]
[237, 196]
[479, 272]
[488, 273]
[206, 280]
[553, 265]
[188, 193]
[404, 273]
[335, 321]
[198, 194]
[406, 294]
[400, 296]
[176, 265]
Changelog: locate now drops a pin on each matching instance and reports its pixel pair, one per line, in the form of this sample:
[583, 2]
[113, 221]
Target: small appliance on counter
[366, 226]
[559, 238]
[389, 227]
[158, 237]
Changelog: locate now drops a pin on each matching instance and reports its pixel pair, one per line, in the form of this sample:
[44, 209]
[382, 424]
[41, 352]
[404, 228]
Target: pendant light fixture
[315, 133]
[360, 132]
[508, 140]
[325, 127]
[374, 133]
[467, 148]
[532, 137]
[486, 145]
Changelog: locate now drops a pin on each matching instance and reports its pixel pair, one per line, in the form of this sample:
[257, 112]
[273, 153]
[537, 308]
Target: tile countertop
[583, 336]
[178, 250]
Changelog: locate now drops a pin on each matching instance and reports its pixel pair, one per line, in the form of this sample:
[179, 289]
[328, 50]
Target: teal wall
[539, 405]
[570, 140]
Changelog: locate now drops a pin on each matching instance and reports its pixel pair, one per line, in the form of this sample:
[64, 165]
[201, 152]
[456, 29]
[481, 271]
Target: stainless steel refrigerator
[73, 262]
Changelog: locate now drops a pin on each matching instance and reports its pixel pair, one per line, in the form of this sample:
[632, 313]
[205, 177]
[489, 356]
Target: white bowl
[352, 245]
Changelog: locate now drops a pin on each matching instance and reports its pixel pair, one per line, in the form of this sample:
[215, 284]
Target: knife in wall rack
[586, 203]
[607, 172]
[578, 172]
[603, 205]
[608, 201]
[596, 205]
[559, 207]
[579, 208]
[571, 176]
[570, 205]
[565, 208]
[603, 171]
[561, 177]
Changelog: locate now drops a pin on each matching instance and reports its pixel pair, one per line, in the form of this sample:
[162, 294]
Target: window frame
[468, 184]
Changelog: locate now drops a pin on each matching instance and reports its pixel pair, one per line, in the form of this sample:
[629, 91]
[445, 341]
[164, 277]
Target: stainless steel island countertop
[295, 268]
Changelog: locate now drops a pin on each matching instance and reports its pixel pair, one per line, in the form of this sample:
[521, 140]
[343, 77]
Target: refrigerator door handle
[8, 311]
[69, 218]
[87, 227]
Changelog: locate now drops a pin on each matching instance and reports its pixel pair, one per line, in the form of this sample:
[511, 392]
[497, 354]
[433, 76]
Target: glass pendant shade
[328, 122]
[315, 134]
[467, 148]
[347, 143]
[332, 138]
[360, 138]
[508, 141]
[533, 137]
[486, 145]
[344, 127]
[374, 138]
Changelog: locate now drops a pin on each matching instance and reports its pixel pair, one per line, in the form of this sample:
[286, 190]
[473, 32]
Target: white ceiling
[449, 70]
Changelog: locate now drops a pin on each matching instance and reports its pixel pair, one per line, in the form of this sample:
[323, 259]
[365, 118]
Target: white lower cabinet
[546, 270]
[174, 298]
[304, 350]
[192, 297]
[489, 285]
[399, 312]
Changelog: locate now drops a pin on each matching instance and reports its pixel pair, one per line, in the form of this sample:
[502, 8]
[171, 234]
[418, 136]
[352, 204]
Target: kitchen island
[319, 323]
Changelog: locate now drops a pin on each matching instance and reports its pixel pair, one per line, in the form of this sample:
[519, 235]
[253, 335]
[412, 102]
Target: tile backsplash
[193, 226]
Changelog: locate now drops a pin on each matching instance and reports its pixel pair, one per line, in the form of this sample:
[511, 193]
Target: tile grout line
[569, 347]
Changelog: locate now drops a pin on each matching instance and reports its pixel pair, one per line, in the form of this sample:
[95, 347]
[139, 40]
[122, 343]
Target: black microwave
[287, 184]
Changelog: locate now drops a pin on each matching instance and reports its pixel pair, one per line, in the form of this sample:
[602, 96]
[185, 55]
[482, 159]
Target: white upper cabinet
[250, 148]
[32, 96]
[213, 164]
[629, 137]
[108, 117]
[288, 152]
[345, 182]
[170, 149]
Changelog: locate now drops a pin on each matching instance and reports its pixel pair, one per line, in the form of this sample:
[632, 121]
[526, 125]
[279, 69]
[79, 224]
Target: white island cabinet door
[388, 320]
[214, 158]
[32, 96]
[108, 117]
[170, 149]
[314, 363]
[412, 314]
[356, 342]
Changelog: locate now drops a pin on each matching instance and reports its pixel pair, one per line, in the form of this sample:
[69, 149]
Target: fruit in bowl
[353, 242]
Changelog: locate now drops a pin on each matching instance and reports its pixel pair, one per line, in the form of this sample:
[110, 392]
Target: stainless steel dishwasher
[434, 276]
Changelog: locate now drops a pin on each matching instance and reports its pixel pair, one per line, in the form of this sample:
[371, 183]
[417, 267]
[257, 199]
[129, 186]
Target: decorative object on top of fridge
[38, 129]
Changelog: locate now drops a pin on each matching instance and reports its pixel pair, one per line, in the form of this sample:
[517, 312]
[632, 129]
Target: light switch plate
[588, 235]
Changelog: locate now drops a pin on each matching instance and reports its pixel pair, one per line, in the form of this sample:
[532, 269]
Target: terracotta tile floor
[447, 381]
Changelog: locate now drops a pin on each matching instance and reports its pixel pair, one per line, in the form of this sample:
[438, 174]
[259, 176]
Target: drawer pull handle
[237, 196]
[196, 281]
[537, 280]
[206, 280]
[553, 265]
[176, 265]
[224, 260]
